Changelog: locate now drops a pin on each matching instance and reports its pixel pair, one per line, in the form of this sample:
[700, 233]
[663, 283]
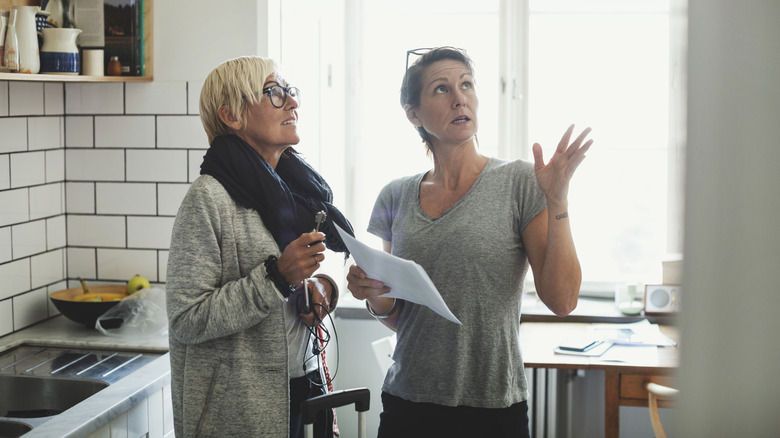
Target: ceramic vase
[3, 25]
[11, 50]
[59, 53]
[27, 36]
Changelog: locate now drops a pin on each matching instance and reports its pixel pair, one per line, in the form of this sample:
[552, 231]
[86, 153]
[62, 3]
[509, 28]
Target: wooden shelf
[70, 78]
[148, 24]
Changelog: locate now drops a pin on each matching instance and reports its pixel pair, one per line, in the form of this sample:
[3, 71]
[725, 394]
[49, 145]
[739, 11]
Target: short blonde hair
[235, 83]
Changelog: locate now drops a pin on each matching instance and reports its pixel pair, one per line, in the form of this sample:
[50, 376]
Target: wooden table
[624, 382]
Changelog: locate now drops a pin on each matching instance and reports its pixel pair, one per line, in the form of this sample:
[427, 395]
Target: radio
[662, 299]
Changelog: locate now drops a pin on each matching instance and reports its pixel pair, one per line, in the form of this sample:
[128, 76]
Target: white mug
[92, 62]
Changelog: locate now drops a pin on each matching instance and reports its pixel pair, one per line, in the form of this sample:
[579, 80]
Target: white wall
[729, 345]
[192, 36]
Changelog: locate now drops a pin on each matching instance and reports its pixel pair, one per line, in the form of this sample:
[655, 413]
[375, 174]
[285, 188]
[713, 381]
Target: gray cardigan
[228, 346]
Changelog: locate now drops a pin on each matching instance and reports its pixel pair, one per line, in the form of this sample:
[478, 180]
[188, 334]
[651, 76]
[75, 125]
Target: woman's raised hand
[553, 178]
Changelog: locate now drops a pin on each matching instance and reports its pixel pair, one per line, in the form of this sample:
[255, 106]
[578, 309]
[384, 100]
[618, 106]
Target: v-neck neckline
[421, 177]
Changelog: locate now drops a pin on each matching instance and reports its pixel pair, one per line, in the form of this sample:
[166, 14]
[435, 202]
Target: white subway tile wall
[47, 268]
[162, 264]
[14, 131]
[5, 172]
[149, 232]
[80, 197]
[44, 133]
[182, 132]
[169, 197]
[28, 169]
[124, 132]
[96, 231]
[54, 99]
[16, 206]
[30, 308]
[79, 131]
[194, 158]
[5, 245]
[25, 98]
[125, 198]
[16, 278]
[3, 99]
[193, 97]
[47, 200]
[55, 165]
[29, 238]
[94, 165]
[55, 233]
[156, 98]
[122, 264]
[157, 165]
[94, 99]
[82, 262]
[91, 178]
[6, 317]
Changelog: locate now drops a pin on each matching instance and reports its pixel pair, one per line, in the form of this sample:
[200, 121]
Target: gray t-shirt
[474, 255]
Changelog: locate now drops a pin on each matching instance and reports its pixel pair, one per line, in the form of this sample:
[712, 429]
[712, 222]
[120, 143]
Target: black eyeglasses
[423, 50]
[278, 94]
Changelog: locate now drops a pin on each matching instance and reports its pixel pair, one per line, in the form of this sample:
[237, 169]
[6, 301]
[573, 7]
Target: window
[605, 64]
[598, 63]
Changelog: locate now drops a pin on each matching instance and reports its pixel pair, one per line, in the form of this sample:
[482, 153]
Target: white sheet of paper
[645, 354]
[407, 280]
[636, 333]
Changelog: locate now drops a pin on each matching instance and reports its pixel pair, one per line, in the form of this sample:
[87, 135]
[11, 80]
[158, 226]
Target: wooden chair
[655, 392]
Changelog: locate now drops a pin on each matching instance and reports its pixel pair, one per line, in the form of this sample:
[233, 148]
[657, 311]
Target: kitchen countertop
[533, 310]
[117, 398]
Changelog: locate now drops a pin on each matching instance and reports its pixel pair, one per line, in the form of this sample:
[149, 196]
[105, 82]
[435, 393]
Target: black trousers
[302, 388]
[404, 419]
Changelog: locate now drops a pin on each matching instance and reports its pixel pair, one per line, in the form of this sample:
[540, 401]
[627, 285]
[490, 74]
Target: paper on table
[637, 333]
[645, 354]
[407, 280]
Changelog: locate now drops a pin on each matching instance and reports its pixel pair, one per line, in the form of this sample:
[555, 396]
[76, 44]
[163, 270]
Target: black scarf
[286, 198]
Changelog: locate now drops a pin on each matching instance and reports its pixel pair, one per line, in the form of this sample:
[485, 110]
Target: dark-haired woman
[475, 224]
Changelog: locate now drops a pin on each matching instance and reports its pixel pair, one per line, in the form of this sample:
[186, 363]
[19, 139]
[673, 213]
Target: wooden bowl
[87, 312]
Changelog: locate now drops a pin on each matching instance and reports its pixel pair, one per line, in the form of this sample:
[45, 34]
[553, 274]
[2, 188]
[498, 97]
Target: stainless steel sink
[36, 397]
[38, 382]
[13, 429]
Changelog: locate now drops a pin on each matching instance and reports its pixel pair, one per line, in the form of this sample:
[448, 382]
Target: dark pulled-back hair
[411, 87]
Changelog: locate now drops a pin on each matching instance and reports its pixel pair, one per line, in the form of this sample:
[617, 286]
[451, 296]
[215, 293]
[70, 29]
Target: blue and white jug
[59, 53]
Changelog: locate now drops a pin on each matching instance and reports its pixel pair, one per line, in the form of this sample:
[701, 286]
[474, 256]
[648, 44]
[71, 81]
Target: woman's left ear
[412, 115]
[226, 116]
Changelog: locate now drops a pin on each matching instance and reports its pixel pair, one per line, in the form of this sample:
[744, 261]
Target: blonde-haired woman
[243, 243]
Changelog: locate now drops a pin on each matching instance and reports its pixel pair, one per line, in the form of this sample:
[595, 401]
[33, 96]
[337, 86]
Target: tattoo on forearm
[563, 215]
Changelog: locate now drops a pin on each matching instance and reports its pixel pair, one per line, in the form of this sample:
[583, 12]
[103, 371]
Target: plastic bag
[140, 315]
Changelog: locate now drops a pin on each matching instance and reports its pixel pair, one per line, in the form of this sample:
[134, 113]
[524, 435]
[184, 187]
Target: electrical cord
[320, 343]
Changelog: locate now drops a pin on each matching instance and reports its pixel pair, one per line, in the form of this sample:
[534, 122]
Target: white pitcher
[27, 35]
[11, 46]
[59, 53]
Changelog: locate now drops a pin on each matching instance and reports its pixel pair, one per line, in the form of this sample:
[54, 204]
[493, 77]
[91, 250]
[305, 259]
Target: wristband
[272, 272]
[383, 315]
